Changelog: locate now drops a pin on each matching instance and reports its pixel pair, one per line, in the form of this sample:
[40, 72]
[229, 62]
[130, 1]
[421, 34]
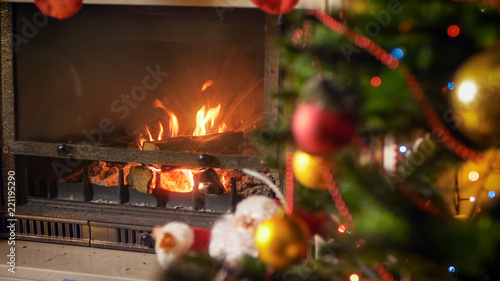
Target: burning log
[210, 182]
[140, 178]
[221, 143]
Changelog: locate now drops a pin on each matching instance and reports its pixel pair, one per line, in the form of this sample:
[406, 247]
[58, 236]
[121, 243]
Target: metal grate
[44, 229]
[121, 236]
[81, 233]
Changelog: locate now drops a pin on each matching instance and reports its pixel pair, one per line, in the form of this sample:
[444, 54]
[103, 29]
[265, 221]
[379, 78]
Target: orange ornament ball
[282, 241]
[309, 170]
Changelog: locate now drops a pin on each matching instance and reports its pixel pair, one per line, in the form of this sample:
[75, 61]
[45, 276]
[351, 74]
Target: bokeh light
[354, 277]
[453, 31]
[397, 53]
[452, 269]
[375, 81]
[342, 228]
[403, 149]
[473, 175]
[451, 86]
[467, 91]
[492, 194]
[472, 199]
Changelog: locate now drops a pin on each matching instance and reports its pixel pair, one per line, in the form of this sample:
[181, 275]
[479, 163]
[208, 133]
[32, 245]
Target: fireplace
[124, 117]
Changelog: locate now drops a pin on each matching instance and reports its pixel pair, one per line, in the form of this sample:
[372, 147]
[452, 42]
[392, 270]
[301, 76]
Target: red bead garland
[418, 94]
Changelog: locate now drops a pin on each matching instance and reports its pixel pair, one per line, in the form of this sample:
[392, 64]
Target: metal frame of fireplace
[116, 226]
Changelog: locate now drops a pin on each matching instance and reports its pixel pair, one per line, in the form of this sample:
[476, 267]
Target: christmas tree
[387, 134]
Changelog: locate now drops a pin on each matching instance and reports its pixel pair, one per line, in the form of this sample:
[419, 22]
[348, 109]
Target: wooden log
[140, 178]
[220, 143]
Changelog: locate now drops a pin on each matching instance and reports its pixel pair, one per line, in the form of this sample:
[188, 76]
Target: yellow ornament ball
[309, 170]
[475, 99]
[282, 241]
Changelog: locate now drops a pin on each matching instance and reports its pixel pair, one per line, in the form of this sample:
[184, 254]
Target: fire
[179, 180]
[149, 134]
[173, 123]
[202, 118]
[206, 85]
[222, 128]
[160, 134]
[205, 121]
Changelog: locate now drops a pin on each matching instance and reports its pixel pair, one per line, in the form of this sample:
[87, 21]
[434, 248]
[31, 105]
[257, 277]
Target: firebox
[124, 117]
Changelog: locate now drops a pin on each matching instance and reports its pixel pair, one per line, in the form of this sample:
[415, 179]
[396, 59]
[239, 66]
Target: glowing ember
[180, 180]
[206, 85]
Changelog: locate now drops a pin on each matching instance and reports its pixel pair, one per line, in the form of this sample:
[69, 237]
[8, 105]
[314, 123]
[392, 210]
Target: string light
[403, 149]
[472, 199]
[491, 194]
[368, 45]
[473, 175]
[452, 269]
[375, 81]
[453, 31]
[289, 182]
[451, 86]
[342, 228]
[354, 277]
[397, 53]
[357, 39]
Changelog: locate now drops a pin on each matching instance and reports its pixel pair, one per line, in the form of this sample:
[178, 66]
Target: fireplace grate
[44, 229]
[120, 236]
[80, 233]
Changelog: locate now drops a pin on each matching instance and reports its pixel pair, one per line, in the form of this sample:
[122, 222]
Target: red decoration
[453, 31]
[319, 223]
[418, 94]
[59, 9]
[276, 6]
[318, 131]
[375, 81]
[289, 183]
[201, 240]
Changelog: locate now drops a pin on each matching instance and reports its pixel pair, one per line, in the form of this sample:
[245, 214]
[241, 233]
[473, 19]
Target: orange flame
[179, 180]
[206, 85]
[160, 134]
[149, 133]
[140, 141]
[202, 119]
[173, 122]
[222, 128]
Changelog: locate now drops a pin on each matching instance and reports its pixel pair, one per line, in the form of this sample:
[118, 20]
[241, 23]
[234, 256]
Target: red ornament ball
[59, 9]
[318, 131]
[276, 6]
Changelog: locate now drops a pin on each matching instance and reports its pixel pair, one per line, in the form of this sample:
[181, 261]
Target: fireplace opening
[124, 117]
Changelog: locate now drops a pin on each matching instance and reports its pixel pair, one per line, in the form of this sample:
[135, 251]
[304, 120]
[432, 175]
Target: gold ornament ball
[282, 241]
[309, 170]
[475, 99]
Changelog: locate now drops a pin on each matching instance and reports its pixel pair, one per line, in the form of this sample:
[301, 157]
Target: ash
[104, 201]
[249, 185]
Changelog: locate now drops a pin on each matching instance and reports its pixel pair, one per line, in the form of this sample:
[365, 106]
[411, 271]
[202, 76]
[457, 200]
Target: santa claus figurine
[171, 241]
